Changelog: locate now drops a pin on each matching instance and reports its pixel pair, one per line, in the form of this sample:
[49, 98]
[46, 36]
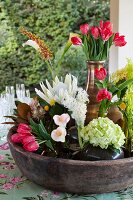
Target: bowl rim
[65, 161]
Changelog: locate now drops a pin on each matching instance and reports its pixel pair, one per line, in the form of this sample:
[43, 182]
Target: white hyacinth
[68, 94]
[78, 109]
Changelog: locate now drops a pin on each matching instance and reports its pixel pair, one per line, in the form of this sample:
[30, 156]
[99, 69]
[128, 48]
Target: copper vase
[92, 90]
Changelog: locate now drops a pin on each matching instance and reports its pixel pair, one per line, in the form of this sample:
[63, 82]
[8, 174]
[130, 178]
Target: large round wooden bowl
[73, 176]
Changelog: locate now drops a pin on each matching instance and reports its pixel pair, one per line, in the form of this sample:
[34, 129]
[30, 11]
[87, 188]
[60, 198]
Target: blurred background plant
[52, 21]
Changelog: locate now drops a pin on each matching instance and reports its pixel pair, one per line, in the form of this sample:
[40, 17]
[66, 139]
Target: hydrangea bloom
[104, 133]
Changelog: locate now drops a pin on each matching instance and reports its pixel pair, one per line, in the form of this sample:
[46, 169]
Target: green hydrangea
[104, 133]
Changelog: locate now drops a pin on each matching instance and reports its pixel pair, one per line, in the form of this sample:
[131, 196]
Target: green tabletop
[14, 186]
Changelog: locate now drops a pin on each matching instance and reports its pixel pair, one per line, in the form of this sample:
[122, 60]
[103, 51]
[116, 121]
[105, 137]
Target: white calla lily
[59, 134]
[61, 120]
[32, 44]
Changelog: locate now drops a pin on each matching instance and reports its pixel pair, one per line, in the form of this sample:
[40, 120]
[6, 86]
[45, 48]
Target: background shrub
[52, 20]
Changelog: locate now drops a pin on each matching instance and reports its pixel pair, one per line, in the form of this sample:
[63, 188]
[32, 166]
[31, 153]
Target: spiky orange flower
[43, 48]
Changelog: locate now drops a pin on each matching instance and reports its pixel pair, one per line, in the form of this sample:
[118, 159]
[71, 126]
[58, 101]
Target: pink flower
[61, 120]
[101, 73]
[16, 138]
[23, 126]
[59, 134]
[105, 29]
[4, 146]
[119, 40]
[8, 186]
[84, 28]
[2, 157]
[23, 130]
[3, 176]
[95, 32]
[103, 94]
[31, 146]
[76, 40]
[15, 180]
[28, 139]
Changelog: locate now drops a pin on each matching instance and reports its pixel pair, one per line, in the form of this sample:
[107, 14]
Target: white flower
[56, 92]
[61, 120]
[77, 108]
[68, 94]
[59, 134]
[32, 44]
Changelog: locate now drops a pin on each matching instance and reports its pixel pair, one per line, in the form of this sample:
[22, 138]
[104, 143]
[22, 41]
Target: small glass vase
[92, 90]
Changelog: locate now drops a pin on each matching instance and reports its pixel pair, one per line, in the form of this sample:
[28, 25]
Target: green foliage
[52, 21]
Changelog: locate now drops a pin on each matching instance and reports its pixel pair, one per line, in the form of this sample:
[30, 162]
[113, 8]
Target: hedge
[52, 20]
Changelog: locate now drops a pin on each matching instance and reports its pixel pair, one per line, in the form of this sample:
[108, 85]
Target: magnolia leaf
[23, 110]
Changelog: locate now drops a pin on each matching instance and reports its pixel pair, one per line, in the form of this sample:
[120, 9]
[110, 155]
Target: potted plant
[52, 145]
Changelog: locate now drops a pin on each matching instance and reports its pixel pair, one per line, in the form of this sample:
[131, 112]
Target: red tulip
[24, 130]
[106, 25]
[16, 138]
[28, 139]
[84, 28]
[31, 146]
[95, 32]
[103, 94]
[100, 73]
[22, 126]
[105, 29]
[119, 40]
[76, 40]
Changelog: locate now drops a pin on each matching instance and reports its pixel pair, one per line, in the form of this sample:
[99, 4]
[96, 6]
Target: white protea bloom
[56, 92]
[32, 44]
[61, 120]
[59, 134]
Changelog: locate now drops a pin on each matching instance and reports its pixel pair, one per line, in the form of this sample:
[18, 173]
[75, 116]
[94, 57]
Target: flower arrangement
[54, 119]
[97, 40]
[53, 124]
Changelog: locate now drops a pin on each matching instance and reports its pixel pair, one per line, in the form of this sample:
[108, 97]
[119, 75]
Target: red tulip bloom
[84, 28]
[76, 40]
[103, 94]
[23, 127]
[28, 139]
[119, 40]
[31, 146]
[105, 29]
[95, 32]
[16, 138]
[101, 73]
[23, 130]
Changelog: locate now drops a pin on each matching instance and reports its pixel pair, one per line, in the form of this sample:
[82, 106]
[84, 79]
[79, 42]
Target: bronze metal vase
[92, 90]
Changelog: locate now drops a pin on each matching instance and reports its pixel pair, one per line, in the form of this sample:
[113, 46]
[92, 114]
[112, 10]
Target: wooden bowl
[73, 176]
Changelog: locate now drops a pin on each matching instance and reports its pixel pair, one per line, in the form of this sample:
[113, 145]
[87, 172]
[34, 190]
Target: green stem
[80, 139]
[50, 68]
[59, 64]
